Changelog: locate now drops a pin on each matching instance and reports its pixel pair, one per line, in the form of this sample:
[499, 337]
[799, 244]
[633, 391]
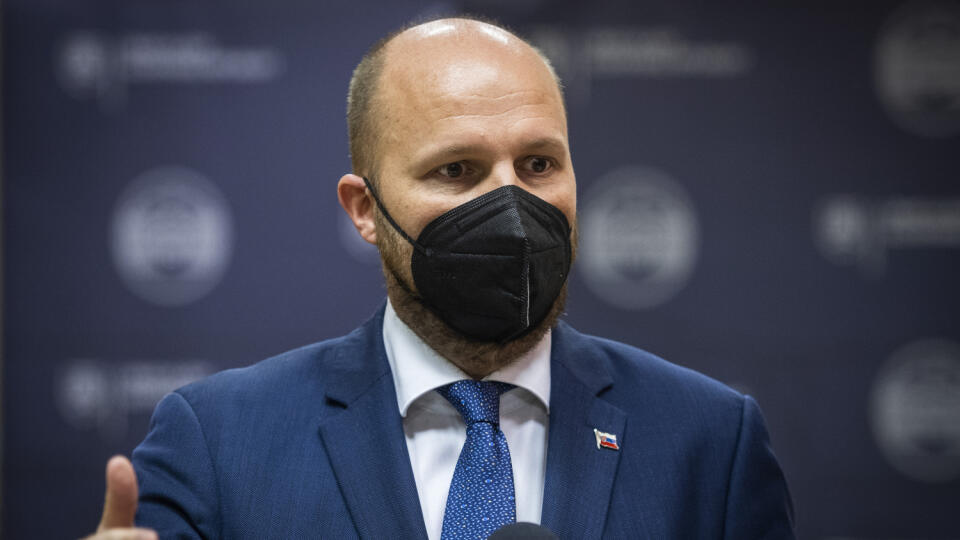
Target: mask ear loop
[414, 243]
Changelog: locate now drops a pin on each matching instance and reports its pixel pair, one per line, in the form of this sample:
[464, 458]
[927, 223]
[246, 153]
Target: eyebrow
[551, 144]
[451, 151]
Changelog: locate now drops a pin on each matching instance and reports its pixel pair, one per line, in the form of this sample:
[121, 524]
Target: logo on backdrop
[851, 230]
[172, 236]
[915, 407]
[91, 64]
[92, 394]
[639, 238]
[649, 52]
[918, 68]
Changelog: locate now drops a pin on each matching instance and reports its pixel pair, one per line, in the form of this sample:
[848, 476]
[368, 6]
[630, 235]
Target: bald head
[406, 69]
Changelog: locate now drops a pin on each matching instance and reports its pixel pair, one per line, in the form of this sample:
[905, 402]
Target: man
[464, 181]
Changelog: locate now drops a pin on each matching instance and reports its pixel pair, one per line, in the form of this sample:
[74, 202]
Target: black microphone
[523, 531]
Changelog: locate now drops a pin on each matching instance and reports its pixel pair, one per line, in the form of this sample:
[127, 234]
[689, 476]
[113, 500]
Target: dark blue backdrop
[768, 194]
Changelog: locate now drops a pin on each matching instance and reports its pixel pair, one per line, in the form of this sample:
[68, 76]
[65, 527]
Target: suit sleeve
[178, 489]
[758, 502]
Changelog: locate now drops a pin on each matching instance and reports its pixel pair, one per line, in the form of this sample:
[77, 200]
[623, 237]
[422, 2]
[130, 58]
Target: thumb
[121, 500]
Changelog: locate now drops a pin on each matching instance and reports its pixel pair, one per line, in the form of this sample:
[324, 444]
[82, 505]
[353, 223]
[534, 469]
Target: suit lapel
[579, 476]
[362, 432]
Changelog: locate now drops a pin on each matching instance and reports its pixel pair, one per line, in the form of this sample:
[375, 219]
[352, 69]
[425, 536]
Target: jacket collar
[362, 432]
[580, 474]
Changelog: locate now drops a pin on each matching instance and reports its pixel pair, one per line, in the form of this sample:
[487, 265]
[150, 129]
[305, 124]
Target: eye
[538, 164]
[452, 170]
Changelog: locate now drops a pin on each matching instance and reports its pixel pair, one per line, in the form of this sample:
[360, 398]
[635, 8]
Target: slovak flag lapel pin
[606, 440]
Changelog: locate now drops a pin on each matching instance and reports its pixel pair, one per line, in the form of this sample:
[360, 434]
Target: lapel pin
[606, 440]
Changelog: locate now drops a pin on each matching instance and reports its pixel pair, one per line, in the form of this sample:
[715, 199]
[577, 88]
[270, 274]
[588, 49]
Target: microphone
[523, 531]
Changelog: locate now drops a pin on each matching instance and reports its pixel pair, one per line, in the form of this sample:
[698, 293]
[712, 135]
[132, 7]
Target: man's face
[459, 117]
[462, 108]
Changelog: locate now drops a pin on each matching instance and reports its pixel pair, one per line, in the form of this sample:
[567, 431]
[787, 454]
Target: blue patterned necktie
[481, 496]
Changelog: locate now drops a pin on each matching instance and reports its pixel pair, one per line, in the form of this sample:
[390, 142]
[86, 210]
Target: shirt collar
[418, 369]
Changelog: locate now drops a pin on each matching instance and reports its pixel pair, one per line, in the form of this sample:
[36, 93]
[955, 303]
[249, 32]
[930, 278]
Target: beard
[476, 358]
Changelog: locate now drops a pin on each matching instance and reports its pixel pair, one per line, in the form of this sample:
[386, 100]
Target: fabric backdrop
[768, 194]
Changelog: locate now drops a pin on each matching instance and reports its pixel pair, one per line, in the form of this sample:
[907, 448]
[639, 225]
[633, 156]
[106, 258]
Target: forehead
[440, 75]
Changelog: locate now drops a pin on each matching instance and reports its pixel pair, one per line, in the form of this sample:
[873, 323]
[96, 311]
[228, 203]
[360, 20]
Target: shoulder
[701, 446]
[293, 377]
[267, 375]
[638, 378]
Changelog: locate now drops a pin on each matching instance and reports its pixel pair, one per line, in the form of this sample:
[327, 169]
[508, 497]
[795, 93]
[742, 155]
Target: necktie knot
[476, 401]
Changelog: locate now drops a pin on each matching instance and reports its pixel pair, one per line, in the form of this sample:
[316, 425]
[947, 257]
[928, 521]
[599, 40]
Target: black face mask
[492, 267]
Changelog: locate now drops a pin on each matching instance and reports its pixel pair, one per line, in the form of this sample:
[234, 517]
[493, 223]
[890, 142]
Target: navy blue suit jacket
[310, 444]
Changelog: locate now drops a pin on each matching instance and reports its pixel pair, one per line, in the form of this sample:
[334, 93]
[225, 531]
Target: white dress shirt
[436, 432]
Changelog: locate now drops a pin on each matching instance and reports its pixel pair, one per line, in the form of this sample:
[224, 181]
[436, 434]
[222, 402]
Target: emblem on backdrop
[917, 68]
[851, 230]
[639, 238]
[171, 236]
[915, 409]
[620, 51]
[92, 394]
[94, 64]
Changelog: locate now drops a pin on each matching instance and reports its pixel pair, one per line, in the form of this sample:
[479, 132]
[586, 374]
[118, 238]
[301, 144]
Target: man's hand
[120, 505]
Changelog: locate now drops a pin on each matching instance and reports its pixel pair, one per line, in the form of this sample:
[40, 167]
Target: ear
[352, 193]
